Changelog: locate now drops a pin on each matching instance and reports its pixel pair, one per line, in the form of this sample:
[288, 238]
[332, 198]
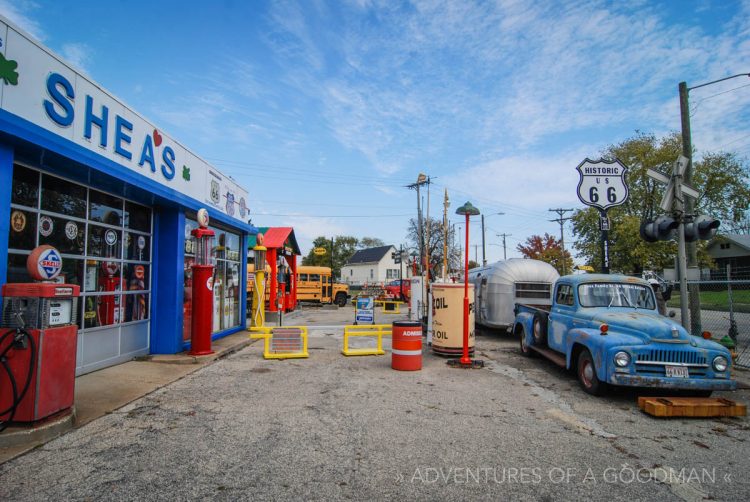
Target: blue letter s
[53, 81]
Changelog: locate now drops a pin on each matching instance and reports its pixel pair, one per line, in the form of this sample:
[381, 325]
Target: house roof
[370, 255]
[740, 240]
[277, 237]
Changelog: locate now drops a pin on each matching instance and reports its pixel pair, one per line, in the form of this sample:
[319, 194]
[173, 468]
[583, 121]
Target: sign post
[603, 185]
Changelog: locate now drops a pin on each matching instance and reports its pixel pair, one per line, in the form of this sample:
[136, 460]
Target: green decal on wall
[8, 71]
[186, 173]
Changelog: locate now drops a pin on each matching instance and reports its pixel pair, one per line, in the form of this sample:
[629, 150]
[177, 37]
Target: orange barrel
[448, 319]
[406, 339]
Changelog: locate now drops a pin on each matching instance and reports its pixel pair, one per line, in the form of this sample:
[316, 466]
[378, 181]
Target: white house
[372, 266]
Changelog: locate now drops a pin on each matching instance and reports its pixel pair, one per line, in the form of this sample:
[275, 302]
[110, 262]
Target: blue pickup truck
[607, 328]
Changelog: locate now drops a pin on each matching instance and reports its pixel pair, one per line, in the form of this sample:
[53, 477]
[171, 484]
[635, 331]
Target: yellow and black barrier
[390, 306]
[282, 342]
[376, 330]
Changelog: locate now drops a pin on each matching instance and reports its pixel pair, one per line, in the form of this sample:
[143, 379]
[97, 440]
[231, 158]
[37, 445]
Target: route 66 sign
[602, 183]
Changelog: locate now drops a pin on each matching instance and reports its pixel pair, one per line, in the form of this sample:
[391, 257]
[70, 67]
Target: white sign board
[365, 310]
[41, 88]
[602, 183]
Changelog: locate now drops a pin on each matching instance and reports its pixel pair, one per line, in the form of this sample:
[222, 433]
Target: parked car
[607, 328]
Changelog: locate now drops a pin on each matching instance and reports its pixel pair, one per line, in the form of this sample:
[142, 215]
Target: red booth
[281, 257]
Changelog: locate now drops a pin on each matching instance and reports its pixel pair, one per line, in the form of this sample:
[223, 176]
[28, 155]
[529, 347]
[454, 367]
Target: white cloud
[17, 11]
[78, 54]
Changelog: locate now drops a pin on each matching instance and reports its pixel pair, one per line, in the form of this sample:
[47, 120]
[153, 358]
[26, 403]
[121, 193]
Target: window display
[87, 227]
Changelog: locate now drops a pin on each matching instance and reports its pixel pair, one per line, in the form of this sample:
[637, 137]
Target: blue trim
[6, 174]
[168, 279]
[32, 133]
[243, 281]
[216, 336]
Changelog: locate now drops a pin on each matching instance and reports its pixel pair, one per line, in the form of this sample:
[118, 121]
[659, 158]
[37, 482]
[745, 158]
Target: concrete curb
[38, 434]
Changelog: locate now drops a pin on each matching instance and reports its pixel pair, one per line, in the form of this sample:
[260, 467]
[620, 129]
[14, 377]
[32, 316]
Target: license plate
[677, 371]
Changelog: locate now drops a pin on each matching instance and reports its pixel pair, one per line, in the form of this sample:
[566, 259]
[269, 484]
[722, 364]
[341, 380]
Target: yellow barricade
[396, 306]
[376, 330]
[282, 342]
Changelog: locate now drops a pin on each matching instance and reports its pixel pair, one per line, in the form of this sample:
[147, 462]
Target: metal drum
[448, 319]
[406, 340]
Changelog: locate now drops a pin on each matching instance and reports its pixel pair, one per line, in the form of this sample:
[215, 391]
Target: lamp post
[484, 260]
[687, 151]
[467, 210]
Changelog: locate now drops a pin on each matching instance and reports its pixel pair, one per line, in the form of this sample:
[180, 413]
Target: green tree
[436, 248]
[547, 249]
[370, 242]
[344, 246]
[721, 179]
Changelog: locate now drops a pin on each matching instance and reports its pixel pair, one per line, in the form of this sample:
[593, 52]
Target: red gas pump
[109, 305]
[38, 342]
[203, 294]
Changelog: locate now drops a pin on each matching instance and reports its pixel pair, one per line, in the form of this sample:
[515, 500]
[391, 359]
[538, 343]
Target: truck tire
[340, 300]
[586, 371]
[525, 350]
[539, 328]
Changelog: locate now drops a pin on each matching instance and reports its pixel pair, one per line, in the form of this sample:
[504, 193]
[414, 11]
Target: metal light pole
[467, 210]
[687, 151]
[484, 260]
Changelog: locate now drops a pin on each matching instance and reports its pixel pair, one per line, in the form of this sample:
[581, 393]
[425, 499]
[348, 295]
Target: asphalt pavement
[331, 427]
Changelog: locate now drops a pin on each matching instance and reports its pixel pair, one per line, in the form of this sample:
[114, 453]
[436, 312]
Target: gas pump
[38, 342]
[109, 305]
[259, 286]
[203, 294]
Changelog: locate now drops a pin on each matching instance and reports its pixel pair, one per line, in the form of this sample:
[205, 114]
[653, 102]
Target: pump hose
[19, 333]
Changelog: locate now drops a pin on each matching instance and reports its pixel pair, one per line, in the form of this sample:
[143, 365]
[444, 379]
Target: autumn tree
[721, 179]
[547, 249]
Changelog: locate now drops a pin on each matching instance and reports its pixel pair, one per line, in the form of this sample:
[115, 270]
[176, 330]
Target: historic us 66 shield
[602, 183]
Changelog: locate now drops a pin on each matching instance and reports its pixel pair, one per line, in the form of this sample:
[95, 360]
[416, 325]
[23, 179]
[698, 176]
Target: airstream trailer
[498, 287]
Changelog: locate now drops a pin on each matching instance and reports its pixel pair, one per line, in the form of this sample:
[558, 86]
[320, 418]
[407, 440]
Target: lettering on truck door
[561, 317]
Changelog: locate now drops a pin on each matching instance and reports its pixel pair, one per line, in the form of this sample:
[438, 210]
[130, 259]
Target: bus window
[302, 277]
[314, 277]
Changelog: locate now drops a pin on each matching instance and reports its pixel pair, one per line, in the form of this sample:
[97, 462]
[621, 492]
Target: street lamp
[484, 260]
[691, 252]
[467, 210]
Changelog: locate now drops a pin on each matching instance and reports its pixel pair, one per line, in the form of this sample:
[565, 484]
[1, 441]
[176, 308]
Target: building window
[371, 274]
[103, 251]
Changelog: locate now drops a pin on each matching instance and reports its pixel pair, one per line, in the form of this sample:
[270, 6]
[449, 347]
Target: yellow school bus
[314, 284]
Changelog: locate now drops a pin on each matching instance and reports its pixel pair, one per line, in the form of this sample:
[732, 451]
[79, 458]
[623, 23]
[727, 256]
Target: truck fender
[594, 342]
[524, 324]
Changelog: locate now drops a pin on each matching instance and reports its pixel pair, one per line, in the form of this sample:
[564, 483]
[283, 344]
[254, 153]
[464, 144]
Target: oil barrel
[406, 339]
[448, 319]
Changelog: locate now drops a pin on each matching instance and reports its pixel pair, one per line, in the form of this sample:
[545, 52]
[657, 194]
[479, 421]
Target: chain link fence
[724, 312]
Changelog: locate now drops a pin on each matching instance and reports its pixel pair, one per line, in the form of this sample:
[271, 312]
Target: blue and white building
[117, 196]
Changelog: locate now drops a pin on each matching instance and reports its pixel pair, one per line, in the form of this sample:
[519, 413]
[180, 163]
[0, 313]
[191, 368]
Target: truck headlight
[622, 359]
[720, 363]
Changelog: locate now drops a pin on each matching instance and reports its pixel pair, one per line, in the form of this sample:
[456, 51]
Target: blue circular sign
[49, 264]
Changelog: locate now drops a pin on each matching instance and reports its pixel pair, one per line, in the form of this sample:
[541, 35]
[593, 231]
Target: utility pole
[427, 241]
[504, 236]
[561, 212]
[476, 246]
[484, 260]
[421, 180]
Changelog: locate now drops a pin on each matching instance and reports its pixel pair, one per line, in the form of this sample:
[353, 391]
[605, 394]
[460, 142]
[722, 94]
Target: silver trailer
[498, 287]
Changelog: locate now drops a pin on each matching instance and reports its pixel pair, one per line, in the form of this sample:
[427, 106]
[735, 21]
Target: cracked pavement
[331, 427]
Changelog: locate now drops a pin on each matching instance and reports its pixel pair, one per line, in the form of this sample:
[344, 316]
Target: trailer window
[533, 290]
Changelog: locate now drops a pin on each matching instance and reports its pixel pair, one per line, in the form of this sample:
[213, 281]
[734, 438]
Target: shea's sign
[44, 90]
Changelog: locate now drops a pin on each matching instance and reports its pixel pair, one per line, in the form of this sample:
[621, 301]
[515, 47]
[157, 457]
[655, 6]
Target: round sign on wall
[110, 237]
[46, 226]
[71, 230]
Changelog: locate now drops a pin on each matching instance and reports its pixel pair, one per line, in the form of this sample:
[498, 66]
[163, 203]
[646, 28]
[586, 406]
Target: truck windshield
[616, 294]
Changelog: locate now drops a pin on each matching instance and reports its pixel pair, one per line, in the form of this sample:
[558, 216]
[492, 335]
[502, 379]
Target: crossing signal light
[663, 228]
[396, 257]
[702, 227]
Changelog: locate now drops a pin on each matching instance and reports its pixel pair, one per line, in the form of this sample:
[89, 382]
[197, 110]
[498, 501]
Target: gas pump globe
[203, 294]
[259, 286]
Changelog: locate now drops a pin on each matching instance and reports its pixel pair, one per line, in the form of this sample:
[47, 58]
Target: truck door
[560, 317]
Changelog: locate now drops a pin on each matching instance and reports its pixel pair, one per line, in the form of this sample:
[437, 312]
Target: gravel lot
[331, 427]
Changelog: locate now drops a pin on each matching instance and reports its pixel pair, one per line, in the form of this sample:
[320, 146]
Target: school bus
[314, 284]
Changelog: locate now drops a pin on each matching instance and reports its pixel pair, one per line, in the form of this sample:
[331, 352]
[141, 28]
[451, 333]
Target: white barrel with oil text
[448, 319]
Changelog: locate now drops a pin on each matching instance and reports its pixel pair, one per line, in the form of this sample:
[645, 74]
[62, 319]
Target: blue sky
[324, 111]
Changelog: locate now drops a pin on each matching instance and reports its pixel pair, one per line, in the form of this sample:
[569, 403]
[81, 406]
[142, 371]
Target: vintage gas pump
[203, 294]
[259, 287]
[38, 342]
